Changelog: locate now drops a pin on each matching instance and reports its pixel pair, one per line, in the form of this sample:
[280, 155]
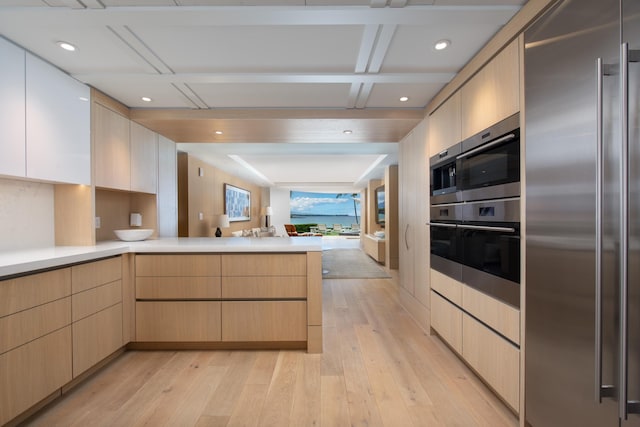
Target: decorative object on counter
[221, 221]
[135, 220]
[133, 235]
[267, 211]
[237, 203]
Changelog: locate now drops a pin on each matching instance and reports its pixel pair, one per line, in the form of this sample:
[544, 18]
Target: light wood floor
[378, 369]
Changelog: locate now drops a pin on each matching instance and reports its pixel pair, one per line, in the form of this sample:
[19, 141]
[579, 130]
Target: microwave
[483, 167]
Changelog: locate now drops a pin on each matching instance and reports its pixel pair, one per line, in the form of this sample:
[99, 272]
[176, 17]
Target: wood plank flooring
[378, 369]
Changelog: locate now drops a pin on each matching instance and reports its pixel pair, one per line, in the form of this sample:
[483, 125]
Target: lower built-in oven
[490, 239]
[478, 244]
[446, 247]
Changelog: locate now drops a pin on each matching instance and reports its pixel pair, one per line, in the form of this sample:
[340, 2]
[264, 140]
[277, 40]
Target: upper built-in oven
[489, 165]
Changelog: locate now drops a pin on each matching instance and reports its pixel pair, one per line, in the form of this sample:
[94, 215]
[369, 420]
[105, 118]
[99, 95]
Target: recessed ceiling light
[404, 98]
[146, 99]
[218, 132]
[67, 46]
[347, 132]
[83, 98]
[442, 44]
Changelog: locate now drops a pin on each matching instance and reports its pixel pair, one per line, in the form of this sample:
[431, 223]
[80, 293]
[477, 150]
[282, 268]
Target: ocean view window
[325, 208]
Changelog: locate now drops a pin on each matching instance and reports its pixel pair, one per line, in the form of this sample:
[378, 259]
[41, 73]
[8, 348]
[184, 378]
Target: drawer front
[28, 325]
[494, 358]
[96, 337]
[264, 321]
[177, 321]
[500, 316]
[92, 274]
[264, 287]
[264, 265]
[447, 287]
[94, 300]
[177, 265]
[446, 319]
[177, 287]
[34, 371]
[32, 290]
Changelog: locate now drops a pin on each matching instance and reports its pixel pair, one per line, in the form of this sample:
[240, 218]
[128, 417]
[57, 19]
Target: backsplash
[26, 215]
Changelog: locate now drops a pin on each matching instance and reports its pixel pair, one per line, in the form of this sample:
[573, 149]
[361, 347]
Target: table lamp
[222, 221]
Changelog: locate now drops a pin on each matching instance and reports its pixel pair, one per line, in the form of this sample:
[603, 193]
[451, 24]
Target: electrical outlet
[201, 216]
[98, 222]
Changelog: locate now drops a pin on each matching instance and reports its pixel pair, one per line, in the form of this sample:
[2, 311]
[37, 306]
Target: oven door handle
[441, 224]
[488, 228]
[489, 145]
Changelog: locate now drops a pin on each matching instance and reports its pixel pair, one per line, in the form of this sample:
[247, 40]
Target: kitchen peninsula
[66, 311]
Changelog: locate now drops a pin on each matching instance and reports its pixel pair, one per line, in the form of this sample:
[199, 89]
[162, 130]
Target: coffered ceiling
[268, 73]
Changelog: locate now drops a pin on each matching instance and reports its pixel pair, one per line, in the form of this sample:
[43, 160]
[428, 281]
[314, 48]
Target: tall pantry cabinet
[413, 232]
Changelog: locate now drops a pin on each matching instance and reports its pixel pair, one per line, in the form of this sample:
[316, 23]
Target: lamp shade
[222, 221]
[268, 210]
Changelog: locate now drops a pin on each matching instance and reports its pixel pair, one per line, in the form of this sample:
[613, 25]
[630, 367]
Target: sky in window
[306, 203]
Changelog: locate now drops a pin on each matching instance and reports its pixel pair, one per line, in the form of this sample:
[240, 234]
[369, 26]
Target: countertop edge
[32, 260]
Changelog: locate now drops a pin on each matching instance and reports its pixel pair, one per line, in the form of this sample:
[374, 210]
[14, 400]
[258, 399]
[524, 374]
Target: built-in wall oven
[475, 214]
[479, 245]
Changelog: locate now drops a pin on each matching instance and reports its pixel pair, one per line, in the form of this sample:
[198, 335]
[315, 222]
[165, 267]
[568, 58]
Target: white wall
[281, 205]
[26, 215]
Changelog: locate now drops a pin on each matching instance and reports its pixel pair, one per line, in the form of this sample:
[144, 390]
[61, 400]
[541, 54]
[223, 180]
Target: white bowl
[133, 235]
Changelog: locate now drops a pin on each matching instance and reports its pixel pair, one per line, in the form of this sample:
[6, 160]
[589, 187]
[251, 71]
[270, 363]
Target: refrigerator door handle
[600, 389]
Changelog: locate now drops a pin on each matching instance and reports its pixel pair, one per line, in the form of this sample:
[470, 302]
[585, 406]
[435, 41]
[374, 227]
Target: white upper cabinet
[111, 149]
[58, 123]
[12, 110]
[144, 159]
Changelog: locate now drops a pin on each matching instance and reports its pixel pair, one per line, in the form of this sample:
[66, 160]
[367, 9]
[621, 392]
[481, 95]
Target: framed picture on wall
[237, 203]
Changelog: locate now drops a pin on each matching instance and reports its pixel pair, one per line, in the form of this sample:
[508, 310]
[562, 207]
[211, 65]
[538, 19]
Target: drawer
[34, 371]
[28, 325]
[449, 288]
[177, 287]
[96, 337]
[446, 319]
[92, 274]
[264, 321]
[264, 287]
[494, 358]
[264, 265]
[178, 265]
[93, 300]
[35, 289]
[500, 316]
[177, 321]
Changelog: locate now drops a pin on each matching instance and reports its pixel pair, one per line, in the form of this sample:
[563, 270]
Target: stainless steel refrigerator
[582, 157]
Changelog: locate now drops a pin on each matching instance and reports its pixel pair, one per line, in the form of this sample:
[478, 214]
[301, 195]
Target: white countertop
[22, 261]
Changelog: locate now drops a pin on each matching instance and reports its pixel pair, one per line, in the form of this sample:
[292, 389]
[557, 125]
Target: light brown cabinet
[35, 339]
[112, 147]
[493, 93]
[96, 312]
[483, 331]
[144, 159]
[445, 125]
[229, 298]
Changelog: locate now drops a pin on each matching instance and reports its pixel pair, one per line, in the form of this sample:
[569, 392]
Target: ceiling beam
[222, 78]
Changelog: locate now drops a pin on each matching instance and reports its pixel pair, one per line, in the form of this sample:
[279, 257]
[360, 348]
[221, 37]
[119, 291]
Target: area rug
[350, 264]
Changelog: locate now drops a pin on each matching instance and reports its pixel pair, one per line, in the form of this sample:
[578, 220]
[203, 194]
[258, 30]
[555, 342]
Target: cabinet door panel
[264, 265]
[93, 300]
[167, 188]
[264, 321]
[12, 110]
[92, 274]
[177, 321]
[32, 290]
[33, 371]
[177, 287]
[177, 265]
[96, 337]
[264, 287]
[112, 149]
[144, 159]
[446, 319]
[58, 124]
[494, 358]
[444, 126]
